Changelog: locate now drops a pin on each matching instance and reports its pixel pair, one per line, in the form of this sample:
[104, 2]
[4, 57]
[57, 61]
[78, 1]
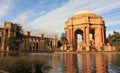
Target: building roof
[84, 12]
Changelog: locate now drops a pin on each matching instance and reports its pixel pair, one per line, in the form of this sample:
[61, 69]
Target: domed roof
[84, 12]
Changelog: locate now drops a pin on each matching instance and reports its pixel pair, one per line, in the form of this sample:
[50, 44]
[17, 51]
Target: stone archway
[76, 32]
[90, 26]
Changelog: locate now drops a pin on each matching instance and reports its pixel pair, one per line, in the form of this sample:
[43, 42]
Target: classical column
[88, 35]
[3, 40]
[72, 33]
[99, 36]
[68, 36]
[74, 42]
[103, 37]
[70, 39]
[84, 35]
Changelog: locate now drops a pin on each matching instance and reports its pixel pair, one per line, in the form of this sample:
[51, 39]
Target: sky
[49, 16]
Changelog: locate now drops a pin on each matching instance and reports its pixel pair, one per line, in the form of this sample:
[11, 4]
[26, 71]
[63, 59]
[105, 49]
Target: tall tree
[114, 40]
[63, 38]
[14, 41]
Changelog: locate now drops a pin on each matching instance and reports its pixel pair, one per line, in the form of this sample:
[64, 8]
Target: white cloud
[5, 6]
[42, 12]
[53, 22]
[24, 16]
[111, 23]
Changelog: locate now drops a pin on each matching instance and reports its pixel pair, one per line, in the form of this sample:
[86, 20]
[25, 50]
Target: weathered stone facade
[31, 43]
[86, 23]
[39, 43]
[9, 28]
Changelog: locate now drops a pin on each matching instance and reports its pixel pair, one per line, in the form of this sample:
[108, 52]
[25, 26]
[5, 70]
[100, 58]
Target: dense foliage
[63, 40]
[114, 40]
[14, 41]
[24, 65]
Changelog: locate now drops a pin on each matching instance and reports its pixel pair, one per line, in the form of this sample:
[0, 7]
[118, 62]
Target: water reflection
[78, 63]
[70, 63]
[82, 63]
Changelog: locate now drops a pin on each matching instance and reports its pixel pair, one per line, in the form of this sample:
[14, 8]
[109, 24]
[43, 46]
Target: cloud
[5, 6]
[111, 23]
[54, 21]
[42, 12]
[112, 5]
[24, 16]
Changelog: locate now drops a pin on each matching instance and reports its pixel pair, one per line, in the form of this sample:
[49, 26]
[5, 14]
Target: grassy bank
[24, 65]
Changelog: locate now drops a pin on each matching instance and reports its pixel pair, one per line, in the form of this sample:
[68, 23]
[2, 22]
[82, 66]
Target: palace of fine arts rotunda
[84, 24]
[92, 30]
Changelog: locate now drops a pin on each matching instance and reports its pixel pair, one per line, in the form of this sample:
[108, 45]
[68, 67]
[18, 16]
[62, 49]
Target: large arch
[76, 32]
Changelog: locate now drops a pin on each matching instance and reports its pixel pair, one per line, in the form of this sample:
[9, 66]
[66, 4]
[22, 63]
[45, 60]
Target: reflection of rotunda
[85, 23]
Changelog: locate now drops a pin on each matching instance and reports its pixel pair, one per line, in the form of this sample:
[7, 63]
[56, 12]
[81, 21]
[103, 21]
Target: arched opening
[78, 38]
[92, 40]
[92, 36]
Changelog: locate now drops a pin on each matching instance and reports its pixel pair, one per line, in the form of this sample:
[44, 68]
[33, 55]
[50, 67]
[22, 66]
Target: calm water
[78, 62]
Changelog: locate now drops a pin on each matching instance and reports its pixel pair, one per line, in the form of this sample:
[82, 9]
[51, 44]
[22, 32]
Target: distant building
[30, 43]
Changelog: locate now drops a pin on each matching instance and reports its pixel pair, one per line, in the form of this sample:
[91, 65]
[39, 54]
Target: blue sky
[49, 16]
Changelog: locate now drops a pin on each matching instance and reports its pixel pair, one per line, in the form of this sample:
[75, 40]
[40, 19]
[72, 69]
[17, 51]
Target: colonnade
[85, 24]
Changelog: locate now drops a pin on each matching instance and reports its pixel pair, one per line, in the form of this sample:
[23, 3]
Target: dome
[84, 12]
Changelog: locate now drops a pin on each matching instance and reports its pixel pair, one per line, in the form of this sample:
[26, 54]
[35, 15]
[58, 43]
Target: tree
[63, 39]
[14, 41]
[114, 40]
[59, 43]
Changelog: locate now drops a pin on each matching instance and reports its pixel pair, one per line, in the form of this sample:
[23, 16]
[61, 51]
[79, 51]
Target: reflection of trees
[116, 63]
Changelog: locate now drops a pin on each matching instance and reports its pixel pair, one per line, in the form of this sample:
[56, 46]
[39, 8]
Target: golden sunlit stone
[86, 23]
[84, 12]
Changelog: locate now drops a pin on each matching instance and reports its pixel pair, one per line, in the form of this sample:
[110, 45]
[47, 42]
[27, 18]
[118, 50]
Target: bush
[114, 40]
[40, 65]
[24, 65]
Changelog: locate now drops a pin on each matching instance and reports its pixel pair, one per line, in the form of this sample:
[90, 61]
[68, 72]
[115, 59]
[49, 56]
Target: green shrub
[24, 65]
[40, 65]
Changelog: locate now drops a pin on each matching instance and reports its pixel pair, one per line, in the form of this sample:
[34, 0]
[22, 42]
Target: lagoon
[85, 62]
